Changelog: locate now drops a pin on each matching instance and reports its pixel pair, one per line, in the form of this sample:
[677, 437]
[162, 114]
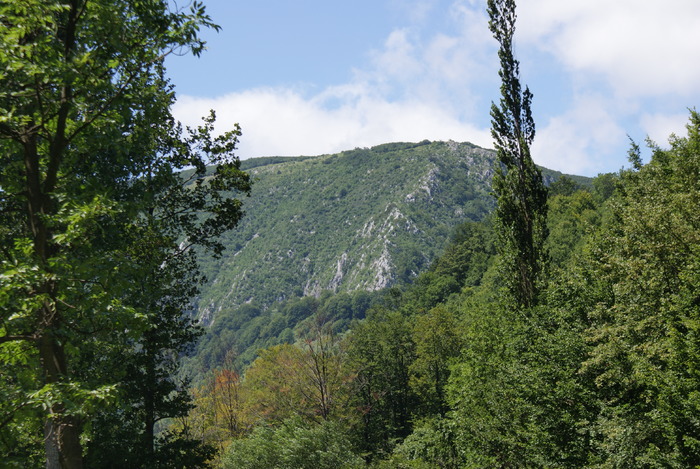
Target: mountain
[363, 219]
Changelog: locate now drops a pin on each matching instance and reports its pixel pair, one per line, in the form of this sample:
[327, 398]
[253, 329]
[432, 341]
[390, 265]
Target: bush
[294, 445]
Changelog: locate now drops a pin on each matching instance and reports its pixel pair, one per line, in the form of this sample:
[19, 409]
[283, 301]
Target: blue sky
[310, 77]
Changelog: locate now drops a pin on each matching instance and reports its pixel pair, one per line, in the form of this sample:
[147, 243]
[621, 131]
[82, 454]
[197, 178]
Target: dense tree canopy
[644, 333]
[601, 373]
[96, 220]
[488, 359]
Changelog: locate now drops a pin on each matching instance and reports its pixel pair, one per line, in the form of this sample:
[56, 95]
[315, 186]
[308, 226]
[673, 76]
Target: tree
[644, 330]
[220, 411]
[381, 350]
[294, 445]
[307, 379]
[500, 389]
[489, 387]
[469, 253]
[438, 343]
[521, 214]
[570, 217]
[176, 205]
[89, 190]
[565, 185]
[147, 364]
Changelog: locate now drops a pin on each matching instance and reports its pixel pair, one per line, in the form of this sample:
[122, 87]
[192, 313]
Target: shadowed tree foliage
[96, 220]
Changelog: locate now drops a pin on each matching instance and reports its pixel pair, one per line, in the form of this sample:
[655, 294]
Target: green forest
[559, 327]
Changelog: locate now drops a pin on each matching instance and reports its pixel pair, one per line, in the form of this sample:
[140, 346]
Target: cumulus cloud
[639, 48]
[412, 89]
[633, 62]
[578, 140]
[659, 126]
[625, 67]
[279, 122]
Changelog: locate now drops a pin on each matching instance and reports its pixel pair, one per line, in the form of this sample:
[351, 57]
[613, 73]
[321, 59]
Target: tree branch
[16, 338]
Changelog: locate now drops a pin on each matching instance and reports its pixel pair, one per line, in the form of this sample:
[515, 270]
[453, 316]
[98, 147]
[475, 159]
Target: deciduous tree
[645, 330]
[308, 379]
[88, 190]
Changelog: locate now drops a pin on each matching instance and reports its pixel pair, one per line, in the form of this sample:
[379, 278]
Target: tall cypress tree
[521, 215]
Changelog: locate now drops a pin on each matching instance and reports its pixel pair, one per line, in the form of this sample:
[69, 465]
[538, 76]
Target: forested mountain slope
[363, 219]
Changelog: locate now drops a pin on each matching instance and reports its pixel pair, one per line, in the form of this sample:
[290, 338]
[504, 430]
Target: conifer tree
[521, 214]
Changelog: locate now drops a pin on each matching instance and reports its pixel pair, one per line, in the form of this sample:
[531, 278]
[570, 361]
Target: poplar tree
[500, 389]
[521, 214]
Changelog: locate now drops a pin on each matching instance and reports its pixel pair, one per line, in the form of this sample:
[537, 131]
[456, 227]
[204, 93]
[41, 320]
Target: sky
[312, 77]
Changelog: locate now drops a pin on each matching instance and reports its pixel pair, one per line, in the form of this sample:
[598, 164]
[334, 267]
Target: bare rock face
[359, 220]
[339, 273]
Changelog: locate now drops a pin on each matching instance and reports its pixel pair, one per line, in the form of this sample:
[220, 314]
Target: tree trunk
[149, 398]
[62, 444]
[61, 432]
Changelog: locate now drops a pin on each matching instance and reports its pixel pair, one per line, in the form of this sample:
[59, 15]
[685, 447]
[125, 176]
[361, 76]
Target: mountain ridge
[363, 219]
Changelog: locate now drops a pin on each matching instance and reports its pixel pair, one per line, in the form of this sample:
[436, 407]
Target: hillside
[363, 219]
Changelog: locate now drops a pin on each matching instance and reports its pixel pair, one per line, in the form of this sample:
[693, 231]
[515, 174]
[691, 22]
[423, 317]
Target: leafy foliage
[97, 224]
[294, 445]
[644, 335]
[464, 354]
[444, 373]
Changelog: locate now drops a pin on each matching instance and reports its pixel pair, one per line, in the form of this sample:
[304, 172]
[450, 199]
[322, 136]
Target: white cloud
[280, 122]
[578, 141]
[628, 65]
[413, 90]
[397, 60]
[640, 48]
[659, 126]
[635, 57]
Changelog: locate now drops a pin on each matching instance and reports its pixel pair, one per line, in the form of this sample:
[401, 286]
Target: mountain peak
[366, 219]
